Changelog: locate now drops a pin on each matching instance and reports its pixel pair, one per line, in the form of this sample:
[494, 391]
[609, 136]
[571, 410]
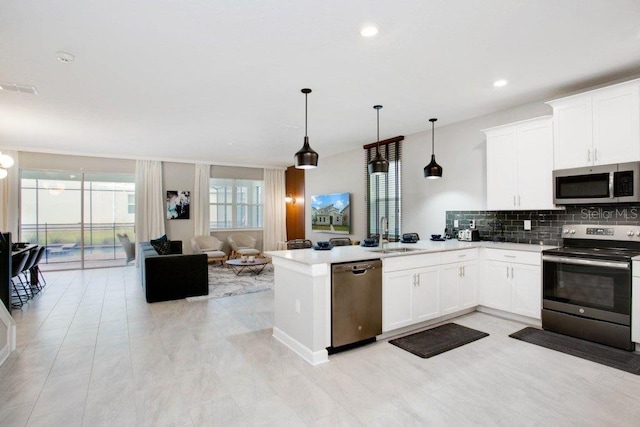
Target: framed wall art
[178, 204]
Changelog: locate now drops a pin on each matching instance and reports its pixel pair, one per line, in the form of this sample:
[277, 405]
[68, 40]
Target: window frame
[253, 211]
[388, 188]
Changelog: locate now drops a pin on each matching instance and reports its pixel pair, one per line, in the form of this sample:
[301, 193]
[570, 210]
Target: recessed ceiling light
[500, 83]
[19, 88]
[369, 31]
[65, 57]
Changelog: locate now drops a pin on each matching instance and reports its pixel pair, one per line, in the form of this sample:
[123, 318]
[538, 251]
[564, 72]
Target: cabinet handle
[413, 280]
[518, 200]
[463, 271]
[507, 272]
[417, 280]
[512, 272]
[509, 256]
[460, 271]
[595, 154]
[514, 200]
[588, 155]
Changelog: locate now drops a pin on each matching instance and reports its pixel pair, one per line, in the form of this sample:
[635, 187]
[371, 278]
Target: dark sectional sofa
[172, 276]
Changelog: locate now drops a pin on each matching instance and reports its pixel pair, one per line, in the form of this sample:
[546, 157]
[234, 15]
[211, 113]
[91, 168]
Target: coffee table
[254, 267]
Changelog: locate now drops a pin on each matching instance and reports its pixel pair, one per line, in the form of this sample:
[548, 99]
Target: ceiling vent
[19, 88]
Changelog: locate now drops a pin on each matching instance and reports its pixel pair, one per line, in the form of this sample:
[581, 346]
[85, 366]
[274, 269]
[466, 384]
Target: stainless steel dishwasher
[356, 302]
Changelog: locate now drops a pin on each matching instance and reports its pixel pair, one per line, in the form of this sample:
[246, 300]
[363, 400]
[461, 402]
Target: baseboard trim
[510, 316]
[312, 357]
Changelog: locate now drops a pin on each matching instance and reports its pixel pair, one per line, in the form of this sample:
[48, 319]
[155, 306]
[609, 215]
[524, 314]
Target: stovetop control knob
[565, 231]
[630, 233]
[637, 233]
[572, 231]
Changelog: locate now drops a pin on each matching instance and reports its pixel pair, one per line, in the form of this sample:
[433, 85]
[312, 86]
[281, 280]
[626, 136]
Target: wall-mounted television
[331, 213]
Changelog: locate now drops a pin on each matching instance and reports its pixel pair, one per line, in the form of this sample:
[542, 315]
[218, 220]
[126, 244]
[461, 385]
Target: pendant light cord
[432, 138]
[433, 124]
[378, 127]
[305, 114]
[378, 107]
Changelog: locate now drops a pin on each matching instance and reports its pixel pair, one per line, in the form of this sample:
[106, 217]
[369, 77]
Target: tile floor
[92, 352]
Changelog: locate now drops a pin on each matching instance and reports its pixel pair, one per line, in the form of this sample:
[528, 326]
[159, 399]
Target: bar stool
[299, 244]
[18, 262]
[27, 269]
[36, 268]
[340, 241]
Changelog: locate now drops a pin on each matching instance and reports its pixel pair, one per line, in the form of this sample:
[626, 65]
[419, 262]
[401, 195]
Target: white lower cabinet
[496, 286]
[409, 296]
[441, 284]
[513, 282]
[526, 290]
[458, 284]
[417, 288]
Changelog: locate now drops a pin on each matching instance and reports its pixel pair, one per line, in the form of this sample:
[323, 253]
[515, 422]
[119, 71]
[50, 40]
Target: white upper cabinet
[520, 165]
[598, 127]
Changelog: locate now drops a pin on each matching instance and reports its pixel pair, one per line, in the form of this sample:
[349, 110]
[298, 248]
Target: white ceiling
[219, 80]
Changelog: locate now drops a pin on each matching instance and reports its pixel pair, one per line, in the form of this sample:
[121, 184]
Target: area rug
[613, 357]
[434, 341]
[223, 282]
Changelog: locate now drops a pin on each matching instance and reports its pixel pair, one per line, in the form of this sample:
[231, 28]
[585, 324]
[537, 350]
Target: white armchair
[242, 244]
[209, 245]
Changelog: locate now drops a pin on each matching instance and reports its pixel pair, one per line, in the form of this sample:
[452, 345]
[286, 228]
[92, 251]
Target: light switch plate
[456, 223]
[527, 224]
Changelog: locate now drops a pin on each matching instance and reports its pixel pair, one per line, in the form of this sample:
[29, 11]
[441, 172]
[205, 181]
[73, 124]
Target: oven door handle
[612, 191]
[589, 262]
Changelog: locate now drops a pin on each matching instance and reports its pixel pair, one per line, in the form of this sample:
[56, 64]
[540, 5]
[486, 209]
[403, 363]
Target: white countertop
[358, 253]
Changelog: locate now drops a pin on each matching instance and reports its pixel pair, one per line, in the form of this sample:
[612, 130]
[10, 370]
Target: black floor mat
[438, 340]
[599, 353]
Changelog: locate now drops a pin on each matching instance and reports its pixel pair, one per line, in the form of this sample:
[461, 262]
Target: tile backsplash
[546, 225]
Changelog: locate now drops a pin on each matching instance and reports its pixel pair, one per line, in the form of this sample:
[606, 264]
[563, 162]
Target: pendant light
[378, 165]
[306, 158]
[433, 170]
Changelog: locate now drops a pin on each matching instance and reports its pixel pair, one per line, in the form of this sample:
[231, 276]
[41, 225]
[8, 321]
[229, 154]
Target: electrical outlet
[456, 223]
[298, 306]
[527, 224]
[472, 224]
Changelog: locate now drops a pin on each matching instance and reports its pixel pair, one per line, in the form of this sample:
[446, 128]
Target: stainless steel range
[587, 283]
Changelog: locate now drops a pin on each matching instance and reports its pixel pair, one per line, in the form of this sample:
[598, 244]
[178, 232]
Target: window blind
[384, 192]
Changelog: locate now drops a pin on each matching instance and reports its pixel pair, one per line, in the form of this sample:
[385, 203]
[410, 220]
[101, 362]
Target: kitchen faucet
[384, 226]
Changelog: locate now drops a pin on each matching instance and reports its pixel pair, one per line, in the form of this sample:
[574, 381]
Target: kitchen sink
[393, 250]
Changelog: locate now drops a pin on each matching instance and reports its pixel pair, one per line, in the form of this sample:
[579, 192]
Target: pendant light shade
[433, 170]
[306, 158]
[378, 165]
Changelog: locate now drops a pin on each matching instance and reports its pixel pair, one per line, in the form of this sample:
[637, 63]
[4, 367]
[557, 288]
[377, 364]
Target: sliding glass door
[77, 216]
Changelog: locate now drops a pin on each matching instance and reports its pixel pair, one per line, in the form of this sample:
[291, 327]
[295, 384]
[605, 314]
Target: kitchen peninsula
[430, 282]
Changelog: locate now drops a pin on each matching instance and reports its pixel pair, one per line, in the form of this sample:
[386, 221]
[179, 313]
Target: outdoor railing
[64, 241]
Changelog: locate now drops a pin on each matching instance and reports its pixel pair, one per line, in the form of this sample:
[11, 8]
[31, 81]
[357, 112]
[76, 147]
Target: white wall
[179, 177]
[337, 174]
[460, 149]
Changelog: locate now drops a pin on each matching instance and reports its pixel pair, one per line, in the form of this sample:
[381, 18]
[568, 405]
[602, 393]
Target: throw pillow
[163, 247]
[159, 239]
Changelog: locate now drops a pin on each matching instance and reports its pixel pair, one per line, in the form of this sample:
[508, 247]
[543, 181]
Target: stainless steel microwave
[616, 183]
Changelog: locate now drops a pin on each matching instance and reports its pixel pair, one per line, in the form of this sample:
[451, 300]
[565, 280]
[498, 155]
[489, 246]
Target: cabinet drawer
[519, 257]
[406, 262]
[449, 257]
